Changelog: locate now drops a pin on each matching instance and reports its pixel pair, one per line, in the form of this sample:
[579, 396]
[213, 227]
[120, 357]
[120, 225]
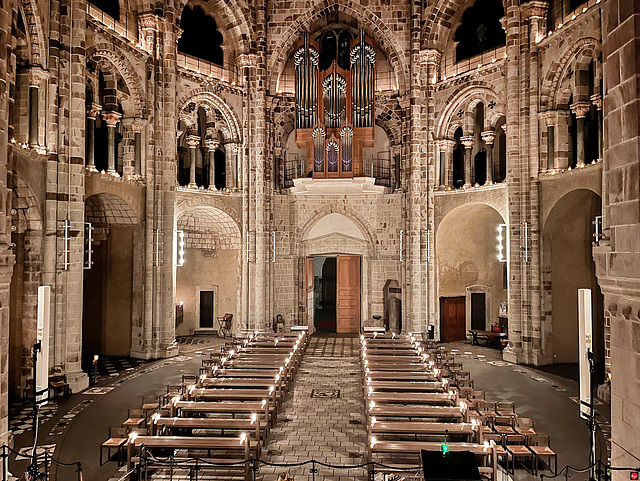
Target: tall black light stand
[33, 473]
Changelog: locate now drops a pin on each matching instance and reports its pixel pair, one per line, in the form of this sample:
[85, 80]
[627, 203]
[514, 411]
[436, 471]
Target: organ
[335, 90]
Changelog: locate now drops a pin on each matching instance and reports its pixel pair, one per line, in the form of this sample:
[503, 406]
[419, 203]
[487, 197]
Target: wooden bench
[416, 412]
[429, 398]
[232, 408]
[217, 445]
[415, 428]
[164, 425]
[409, 386]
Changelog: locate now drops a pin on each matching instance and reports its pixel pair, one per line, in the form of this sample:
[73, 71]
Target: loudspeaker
[459, 465]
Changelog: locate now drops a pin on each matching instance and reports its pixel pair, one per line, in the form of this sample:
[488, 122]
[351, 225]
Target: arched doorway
[208, 282]
[472, 282]
[112, 292]
[568, 266]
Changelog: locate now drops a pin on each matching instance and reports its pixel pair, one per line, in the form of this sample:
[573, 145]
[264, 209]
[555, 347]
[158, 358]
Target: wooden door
[452, 319]
[308, 292]
[348, 295]
[206, 309]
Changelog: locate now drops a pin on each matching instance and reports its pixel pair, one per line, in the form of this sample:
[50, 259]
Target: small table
[489, 335]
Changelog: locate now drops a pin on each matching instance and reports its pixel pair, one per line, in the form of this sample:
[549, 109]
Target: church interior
[320, 239]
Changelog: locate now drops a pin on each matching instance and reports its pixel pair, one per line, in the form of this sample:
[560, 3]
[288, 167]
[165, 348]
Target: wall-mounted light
[401, 245]
[502, 242]
[181, 244]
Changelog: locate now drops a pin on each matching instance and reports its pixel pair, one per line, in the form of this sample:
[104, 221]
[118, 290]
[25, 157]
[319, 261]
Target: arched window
[201, 37]
[558, 9]
[500, 153]
[573, 137]
[335, 45]
[480, 29]
[110, 7]
[220, 166]
[458, 160]
[479, 152]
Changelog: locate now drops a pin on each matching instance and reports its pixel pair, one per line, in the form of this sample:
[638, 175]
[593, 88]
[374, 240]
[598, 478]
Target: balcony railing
[227, 73]
[126, 27]
[449, 67]
[296, 167]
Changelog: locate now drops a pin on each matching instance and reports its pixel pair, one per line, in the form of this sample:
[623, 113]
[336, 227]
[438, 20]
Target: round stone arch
[389, 120]
[229, 16]
[32, 16]
[552, 84]
[107, 54]
[28, 214]
[495, 198]
[284, 124]
[365, 229]
[372, 24]
[441, 17]
[464, 99]
[209, 101]
[186, 204]
[562, 190]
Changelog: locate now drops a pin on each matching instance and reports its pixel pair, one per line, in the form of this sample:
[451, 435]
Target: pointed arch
[211, 102]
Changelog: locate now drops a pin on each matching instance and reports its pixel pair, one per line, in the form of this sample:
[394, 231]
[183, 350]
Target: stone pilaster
[111, 119]
[92, 113]
[618, 264]
[468, 143]
[580, 109]
[488, 137]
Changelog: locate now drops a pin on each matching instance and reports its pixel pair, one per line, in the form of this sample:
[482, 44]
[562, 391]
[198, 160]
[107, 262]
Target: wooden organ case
[335, 111]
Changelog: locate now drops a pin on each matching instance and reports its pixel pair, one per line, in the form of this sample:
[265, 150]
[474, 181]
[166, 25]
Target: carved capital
[488, 136]
[468, 142]
[550, 117]
[430, 56]
[596, 99]
[193, 141]
[446, 145]
[211, 145]
[581, 108]
[247, 60]
[504, 128]
[93, 110]
[112, 118]
[36, 74]
[535, 9]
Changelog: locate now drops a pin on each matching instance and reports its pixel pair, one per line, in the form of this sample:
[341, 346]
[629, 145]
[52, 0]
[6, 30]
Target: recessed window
[201, 37]
[480, 29]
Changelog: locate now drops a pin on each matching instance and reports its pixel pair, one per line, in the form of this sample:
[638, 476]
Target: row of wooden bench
[419, 399]
[222, 415]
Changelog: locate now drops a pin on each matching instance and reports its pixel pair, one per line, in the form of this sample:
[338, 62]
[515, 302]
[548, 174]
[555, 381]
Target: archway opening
[112, 292]
[324, 293]
[469, 267]
[208, 282]
[568, 266]
[458, 160]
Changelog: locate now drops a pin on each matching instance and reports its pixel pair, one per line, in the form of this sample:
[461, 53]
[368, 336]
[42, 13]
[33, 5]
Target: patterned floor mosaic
[20, 416]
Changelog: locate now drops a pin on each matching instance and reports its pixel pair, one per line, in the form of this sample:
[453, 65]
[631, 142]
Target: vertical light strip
[181, 244]
[401, 245]
[502, 239]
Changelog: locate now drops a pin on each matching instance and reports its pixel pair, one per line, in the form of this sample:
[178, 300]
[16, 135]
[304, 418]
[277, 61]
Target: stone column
[580, 109]
[92, 113]
[596, 99]
[137, 126]
[488, 137]
[112, 119]
[212, 146]
[446, 155]
[468, 146]
[237, 165]
[35, 76]
[192, 141]
[549, 119]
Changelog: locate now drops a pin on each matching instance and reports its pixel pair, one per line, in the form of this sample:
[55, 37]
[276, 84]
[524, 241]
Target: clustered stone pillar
[580, 109]
[488, 137]
[92, 113]
[468, 146]
[112, 119]
[192, 141]
[212, 146]
[237, 163]
[549, 119]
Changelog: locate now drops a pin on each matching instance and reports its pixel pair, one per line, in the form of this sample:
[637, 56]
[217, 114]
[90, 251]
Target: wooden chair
[540, 446]
[525, 426]
[224, 322]
[59, 385]
[189, 379]
[117, 440]
[501, 452]
[486, 409]
[503, 425]
[506, 409]
[517, 448]
[135, 419]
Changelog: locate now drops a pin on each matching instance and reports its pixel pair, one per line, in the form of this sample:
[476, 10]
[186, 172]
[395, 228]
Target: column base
[513, 355]
[192, 185]
[212, 189]
[113, 173]
[160, 352]
[78, 381]
[91, 168]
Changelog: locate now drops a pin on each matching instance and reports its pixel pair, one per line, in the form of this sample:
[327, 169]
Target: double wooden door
[347, 294]
[453, 322]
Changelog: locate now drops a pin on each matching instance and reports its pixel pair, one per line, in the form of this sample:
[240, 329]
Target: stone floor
[323, 419]
[316, 422]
